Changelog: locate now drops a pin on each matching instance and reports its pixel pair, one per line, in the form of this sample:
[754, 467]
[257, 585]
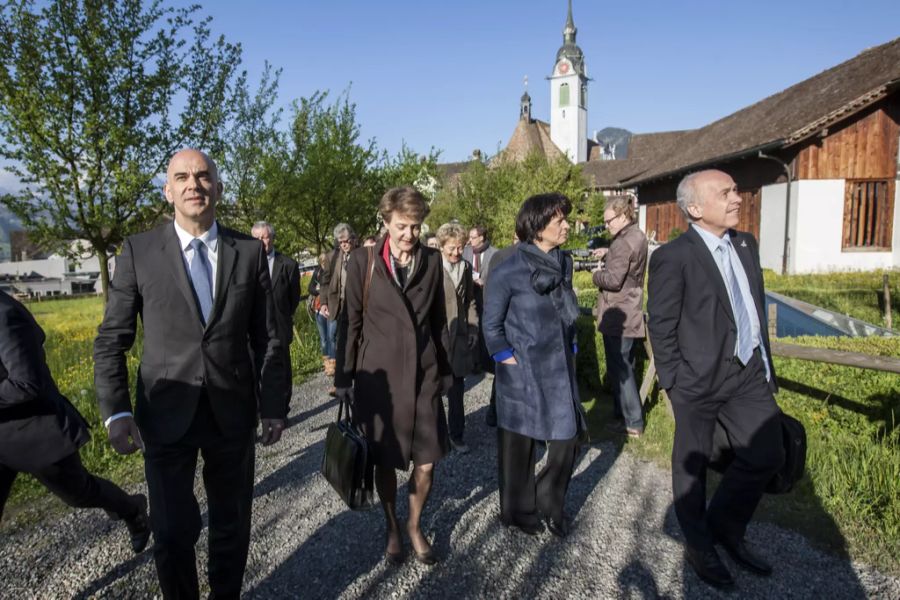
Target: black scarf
[551, 275]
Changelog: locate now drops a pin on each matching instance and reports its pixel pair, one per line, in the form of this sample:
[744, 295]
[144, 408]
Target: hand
[325, 311]
[345, 395]
[446, 384]
[472, 341]
[479, 282]
[271, 431]
[509, 361]
[599, 253]
[124, 436]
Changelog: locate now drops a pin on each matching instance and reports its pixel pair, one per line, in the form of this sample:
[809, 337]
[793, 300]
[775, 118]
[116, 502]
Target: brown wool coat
[462, 320]
[393, 358]
[620, 310]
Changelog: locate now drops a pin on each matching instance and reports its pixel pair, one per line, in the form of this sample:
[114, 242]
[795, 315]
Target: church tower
[568, 96]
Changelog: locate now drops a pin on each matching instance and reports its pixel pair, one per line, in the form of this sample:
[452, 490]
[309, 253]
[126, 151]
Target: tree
[490, 192]
[249, 143]
[323, 175]
[89, 97]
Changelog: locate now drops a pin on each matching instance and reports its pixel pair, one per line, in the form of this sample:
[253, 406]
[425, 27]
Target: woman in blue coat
[529, 329]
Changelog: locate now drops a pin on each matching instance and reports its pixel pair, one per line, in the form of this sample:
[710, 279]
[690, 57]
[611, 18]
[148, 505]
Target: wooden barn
[834, 137]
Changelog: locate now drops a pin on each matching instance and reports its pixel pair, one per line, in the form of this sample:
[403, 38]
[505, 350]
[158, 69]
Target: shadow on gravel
[300, 417]
[101, 584]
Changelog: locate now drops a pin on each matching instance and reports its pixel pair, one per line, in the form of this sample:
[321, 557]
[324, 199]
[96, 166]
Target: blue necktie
[200, 278]
[744, 349]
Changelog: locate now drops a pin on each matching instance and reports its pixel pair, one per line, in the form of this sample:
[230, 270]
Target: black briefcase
[346, 464]
[794, 437]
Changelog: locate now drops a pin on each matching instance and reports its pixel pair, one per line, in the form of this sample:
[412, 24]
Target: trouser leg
[490, 416]
[228, 465]
[553, 480]
[7, 477]
[620, 372]
[753, 422]
[456, 411]
[324, 340]
[73, 484]
[174, 517]
[517, 489]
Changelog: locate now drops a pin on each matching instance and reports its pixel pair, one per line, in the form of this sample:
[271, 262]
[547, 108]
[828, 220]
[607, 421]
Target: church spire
[570, 31]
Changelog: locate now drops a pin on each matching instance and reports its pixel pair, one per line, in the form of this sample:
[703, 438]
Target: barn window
[564, 94]
[868, 214]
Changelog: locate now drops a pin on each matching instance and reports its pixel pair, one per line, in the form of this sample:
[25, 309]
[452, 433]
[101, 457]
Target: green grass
[71, 326]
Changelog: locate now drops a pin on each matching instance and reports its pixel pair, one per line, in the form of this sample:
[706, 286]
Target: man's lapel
[706, 260]
[277, 266]
[174, 258]
[226, 262]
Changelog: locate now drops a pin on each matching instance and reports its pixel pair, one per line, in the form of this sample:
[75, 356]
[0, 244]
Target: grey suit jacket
[181, 358]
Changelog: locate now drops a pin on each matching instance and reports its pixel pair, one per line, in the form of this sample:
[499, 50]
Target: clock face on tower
[563, 68]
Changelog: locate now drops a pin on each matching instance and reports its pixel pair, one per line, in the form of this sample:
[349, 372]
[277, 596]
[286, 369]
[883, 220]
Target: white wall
[817, 231]
[896, 241]
[771, 224]
[568, 124]
[642, 218]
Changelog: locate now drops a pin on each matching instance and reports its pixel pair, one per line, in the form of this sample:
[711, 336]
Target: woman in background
[460, 337]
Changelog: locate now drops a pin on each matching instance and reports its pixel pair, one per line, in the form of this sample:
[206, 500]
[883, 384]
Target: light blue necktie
[742, 319]
[200, 278]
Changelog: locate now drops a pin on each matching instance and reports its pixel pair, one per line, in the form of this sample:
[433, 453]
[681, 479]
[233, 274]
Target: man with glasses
[333, 282]
[620, 316]
[479, 252]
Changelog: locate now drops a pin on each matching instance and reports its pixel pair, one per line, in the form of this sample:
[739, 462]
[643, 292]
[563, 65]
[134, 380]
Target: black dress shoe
[558, 528]
[139, 525]
[394, 558]
[527, 528]
[709, 567]
[741, 554]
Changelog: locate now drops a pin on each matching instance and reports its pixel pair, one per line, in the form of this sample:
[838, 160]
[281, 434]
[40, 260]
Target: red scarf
[386, 254]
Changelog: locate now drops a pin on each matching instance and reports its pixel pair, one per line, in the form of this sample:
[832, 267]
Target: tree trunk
[103, 257]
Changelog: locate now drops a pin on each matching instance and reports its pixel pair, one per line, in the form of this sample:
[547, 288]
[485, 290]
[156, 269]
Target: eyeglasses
[342, 242]
[608, 221]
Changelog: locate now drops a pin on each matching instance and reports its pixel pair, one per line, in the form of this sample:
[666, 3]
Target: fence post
[773, 320]
[888, 321]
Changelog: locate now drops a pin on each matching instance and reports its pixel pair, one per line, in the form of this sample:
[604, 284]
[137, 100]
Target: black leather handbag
[794, 437]
[346, 463]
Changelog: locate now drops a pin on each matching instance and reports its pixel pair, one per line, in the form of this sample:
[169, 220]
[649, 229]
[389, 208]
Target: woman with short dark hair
[529, 329]
[394, 361]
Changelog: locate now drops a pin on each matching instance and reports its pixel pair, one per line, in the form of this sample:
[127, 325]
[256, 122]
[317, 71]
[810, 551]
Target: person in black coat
[211, 365]
[529, 328]
[708, 331]
[285, 274]
[41, 432]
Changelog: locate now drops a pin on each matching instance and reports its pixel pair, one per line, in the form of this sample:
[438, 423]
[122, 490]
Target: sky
[448, 74]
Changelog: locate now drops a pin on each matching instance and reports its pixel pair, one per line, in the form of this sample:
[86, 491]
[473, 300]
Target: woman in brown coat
[394, 361]
[460, 336]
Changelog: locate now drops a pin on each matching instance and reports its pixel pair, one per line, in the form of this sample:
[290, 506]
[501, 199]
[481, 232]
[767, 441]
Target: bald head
[193, 189]
[710, 200]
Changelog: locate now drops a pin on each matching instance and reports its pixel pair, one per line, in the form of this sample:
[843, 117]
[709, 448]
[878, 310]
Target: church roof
[530, 136]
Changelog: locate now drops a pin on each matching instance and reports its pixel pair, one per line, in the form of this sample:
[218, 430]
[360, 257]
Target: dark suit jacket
[38, 425]
[692, 327]
[286, 295]
[182, 358]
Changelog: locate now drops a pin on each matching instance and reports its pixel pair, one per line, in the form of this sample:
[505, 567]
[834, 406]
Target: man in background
[285, 274]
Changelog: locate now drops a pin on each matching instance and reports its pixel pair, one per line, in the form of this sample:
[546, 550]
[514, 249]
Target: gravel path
[624, 541]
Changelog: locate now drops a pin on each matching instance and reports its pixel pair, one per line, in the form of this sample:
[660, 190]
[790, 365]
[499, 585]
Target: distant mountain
[615, 135]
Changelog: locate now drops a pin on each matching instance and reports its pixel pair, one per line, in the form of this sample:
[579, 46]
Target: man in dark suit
[710, 342]
[41, 432]
[204, 297]
[285, 274]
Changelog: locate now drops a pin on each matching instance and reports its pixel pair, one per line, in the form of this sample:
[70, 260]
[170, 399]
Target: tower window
[564, 94]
